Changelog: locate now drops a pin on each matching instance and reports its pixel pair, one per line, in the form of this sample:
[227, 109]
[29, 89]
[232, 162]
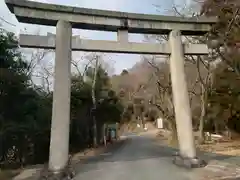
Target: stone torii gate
[65, 18]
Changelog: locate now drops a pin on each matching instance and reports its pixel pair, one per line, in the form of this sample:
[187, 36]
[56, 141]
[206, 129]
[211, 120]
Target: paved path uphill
[140, 158]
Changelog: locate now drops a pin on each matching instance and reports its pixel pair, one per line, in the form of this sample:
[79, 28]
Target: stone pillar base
[66, 174]
[188, 162]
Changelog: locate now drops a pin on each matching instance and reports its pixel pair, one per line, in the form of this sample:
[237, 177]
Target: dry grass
[231, 147]
[224, 146]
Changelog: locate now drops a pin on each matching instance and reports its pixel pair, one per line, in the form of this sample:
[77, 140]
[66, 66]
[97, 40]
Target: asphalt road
[139, 158]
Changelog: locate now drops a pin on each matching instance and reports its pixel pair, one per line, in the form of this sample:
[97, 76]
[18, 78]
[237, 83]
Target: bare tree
[163, 97]
[94, 100]
[40, 68]
[224, 36]
[201, 88]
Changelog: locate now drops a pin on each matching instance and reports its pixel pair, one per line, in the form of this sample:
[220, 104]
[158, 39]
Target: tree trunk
[104, 135]
[174, 136]
[201, 137]
[94, 104]
[216, 126]
[229, 133]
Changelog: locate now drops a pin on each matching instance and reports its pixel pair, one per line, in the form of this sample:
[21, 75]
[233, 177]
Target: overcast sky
[121, 61]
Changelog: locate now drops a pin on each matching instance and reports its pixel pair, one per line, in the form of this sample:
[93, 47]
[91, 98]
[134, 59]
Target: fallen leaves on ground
[231, 147]
[224, 146]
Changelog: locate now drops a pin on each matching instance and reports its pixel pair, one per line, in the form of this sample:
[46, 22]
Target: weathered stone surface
[60, 124]
[188, 162]
[66, 174]
[182, 110]
[48, 42]
[83, 18]
[107, 13]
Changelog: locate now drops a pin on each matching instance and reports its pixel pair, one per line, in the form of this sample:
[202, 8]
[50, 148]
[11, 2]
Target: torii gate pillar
[183, 115]
[59, 145]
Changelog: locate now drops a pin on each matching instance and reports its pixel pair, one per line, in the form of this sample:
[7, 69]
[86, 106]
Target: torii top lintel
[92, 19]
